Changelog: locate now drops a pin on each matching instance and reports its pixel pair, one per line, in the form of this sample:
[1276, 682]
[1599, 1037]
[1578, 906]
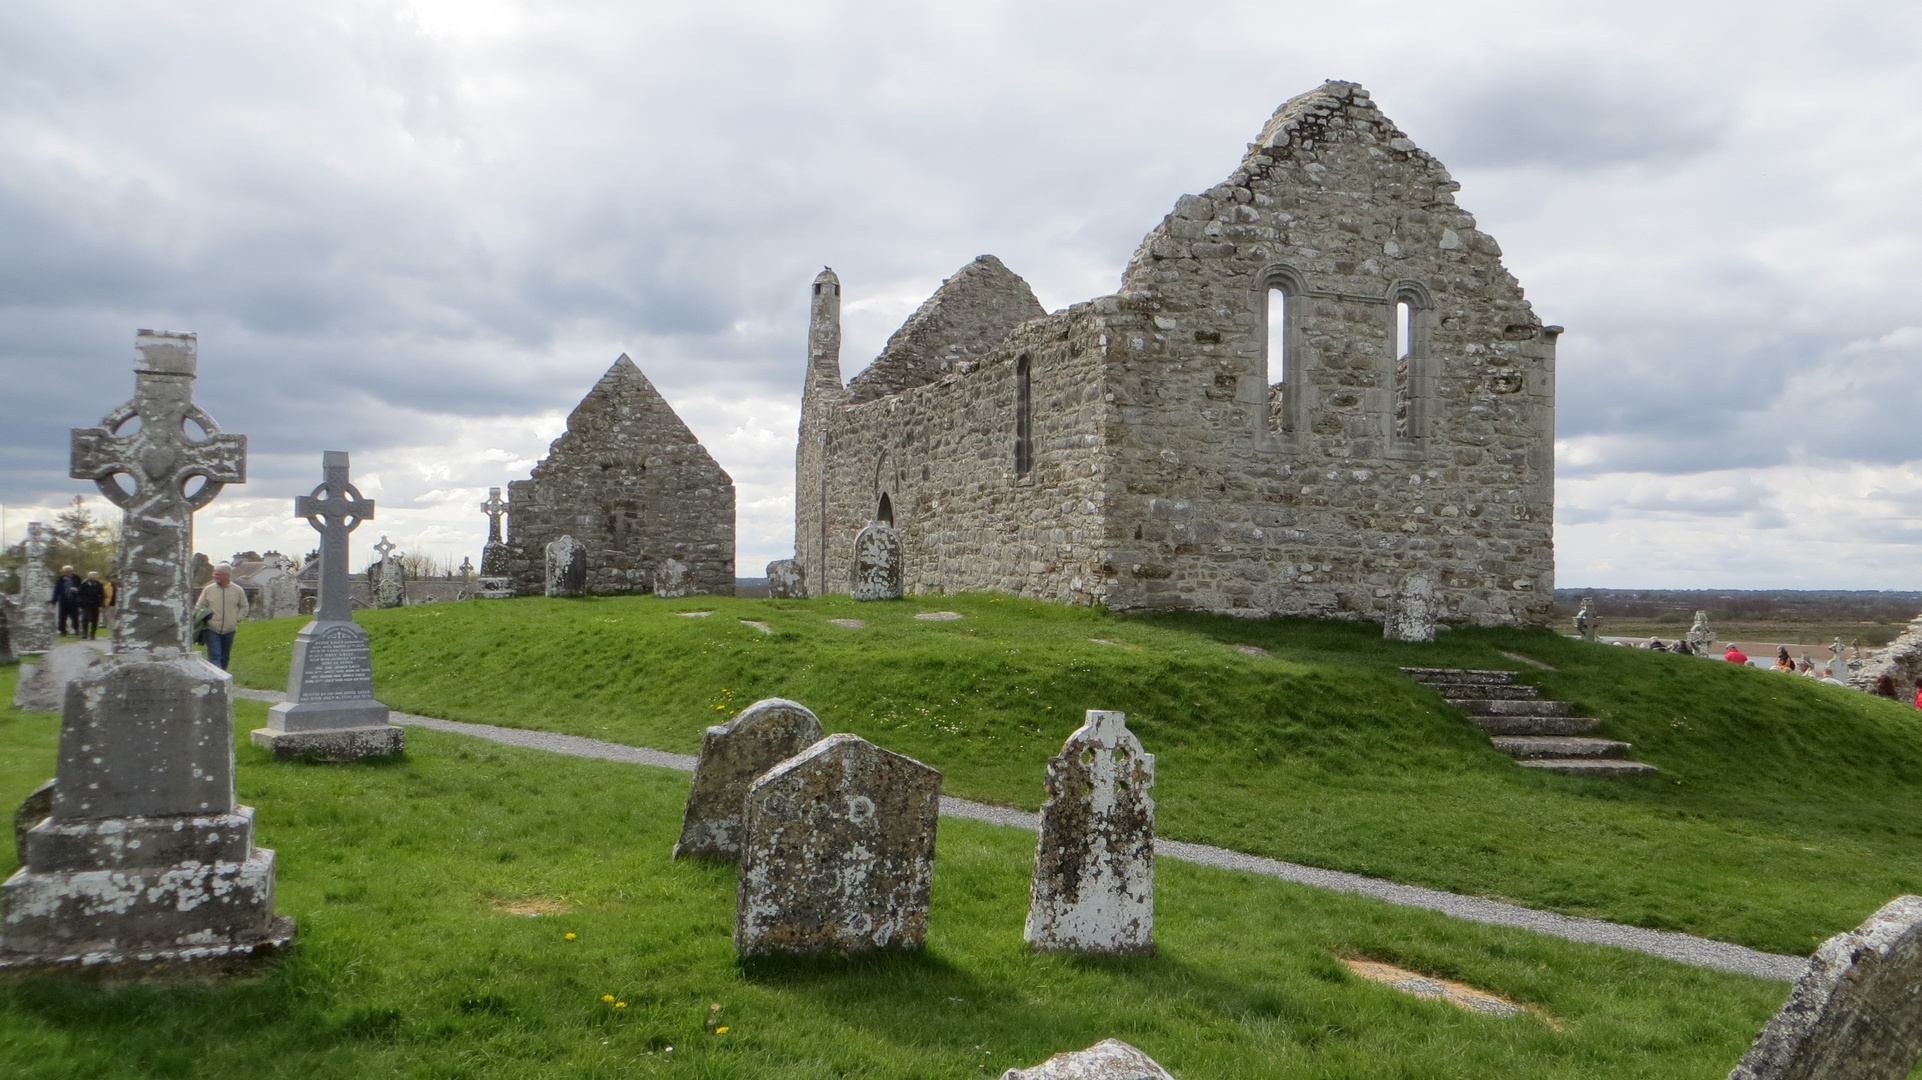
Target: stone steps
[1538, 734]
[1535, 725]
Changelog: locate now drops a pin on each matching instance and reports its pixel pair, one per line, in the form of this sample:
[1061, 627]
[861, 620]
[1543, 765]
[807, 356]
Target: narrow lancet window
[885, 512]
[1404, 369]
[1277, 358]
[1023, 416]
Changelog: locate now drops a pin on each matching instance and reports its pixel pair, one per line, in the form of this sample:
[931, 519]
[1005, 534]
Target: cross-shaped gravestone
[335, 509]
[330, 712]
[385, 547]
[494, 507]
[147, 470]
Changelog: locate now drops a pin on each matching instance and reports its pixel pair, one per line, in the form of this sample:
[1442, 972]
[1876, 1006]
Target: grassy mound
[1785, 811]
[437, 896]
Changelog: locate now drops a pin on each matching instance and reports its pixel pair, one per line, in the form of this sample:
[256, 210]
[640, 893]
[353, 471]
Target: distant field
[1866, 635]
[1785, 811]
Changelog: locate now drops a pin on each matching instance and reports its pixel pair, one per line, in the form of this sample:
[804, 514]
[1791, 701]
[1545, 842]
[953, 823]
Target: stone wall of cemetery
[1169, 474]
[634, 486]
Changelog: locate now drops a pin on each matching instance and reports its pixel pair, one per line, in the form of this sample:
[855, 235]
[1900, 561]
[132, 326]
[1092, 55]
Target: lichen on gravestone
[1094, 864]
[878, 569]
[837, 853]
[733, 756]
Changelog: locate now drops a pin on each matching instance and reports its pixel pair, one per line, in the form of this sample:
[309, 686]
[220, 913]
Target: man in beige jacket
[228, 602]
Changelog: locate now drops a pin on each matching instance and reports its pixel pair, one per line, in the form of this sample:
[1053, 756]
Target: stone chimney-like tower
[822, 393]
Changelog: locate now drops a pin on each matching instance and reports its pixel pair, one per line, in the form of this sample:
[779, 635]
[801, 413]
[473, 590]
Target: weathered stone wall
[633, 485]
[970, 314]
[1166, 471]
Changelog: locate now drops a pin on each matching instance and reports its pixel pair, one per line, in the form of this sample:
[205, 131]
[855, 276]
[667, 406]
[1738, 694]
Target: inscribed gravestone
[1110, 1059]
[566, 567]
[145, 859]
[1857, 1013]
[878, 569]
[1094, 865]
[33, 634]
[1414, 613]
[330, 712]
[671, 580]
[784, 580]
[837, 852]
[733, 756]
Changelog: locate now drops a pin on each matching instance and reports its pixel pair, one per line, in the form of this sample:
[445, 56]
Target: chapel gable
[970, 314]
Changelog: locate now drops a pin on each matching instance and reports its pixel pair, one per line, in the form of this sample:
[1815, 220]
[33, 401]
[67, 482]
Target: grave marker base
[333, 744]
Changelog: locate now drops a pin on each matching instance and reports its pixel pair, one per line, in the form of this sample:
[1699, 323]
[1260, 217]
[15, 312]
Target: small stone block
[938, 616]
[733, 755]
[838, 852]
[1110, 1059]
[333, 744]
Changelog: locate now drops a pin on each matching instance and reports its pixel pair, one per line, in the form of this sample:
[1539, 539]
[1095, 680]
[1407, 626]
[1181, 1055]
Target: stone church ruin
[1316, 384]
[634, 488]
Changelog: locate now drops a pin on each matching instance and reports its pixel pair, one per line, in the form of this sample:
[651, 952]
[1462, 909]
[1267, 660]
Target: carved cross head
[149, 452]
[386, 548]
[336, 502]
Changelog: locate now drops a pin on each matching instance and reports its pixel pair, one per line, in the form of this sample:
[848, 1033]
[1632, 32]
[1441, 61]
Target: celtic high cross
[494, 507]
[335, 509]
[149, 472]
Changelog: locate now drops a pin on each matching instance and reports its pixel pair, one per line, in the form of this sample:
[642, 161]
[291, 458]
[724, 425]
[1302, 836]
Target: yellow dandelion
[722, 1030]
[570, 935]
[607, 997]
[620, 1004]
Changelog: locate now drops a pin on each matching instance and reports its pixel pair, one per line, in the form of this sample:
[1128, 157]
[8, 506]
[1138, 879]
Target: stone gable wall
[966, 318]
[633, 485]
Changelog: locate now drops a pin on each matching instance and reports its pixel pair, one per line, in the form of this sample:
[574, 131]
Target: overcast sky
[420, 231]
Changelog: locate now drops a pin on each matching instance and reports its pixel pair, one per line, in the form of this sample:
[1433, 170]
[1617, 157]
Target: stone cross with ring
[335, 509]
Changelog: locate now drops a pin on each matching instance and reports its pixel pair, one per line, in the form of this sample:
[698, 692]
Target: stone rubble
[1094, 864]
[837, 853]
[1857, 1014]
[733, 756]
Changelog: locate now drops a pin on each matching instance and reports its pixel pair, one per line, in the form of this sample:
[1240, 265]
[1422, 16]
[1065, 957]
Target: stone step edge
[1570, 746]
[1422, 674]
[1512, 706]
[1593, 766]
[1576, 725]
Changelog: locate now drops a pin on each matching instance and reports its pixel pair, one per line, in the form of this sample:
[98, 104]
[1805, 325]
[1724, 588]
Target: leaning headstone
[785, 580]
[1588, 625]
[495, 582]
[1094, 866]
[1414, 613]
[1110, 1059]
[566, 567]
[671, 580]
[43, 686]
[145, 860]
[1701, 640]
[877, 563]
[33, 633]
[837, 852]
[733, 755]
[330, 713]
[1857, 1013]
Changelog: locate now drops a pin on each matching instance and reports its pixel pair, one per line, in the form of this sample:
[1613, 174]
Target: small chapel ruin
[1317, 392]
[632, 485]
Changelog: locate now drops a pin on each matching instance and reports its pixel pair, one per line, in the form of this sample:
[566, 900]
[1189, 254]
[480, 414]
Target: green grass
[1785, 811]
[406, 967]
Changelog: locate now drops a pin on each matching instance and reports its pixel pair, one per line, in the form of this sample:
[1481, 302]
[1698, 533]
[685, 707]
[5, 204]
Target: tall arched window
[1276, 318]
[885, 512]
[1023, 415]
[1282, 304]
[1413, 381]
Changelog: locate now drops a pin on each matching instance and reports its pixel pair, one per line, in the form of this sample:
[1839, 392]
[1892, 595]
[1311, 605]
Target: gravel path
[1682, 948]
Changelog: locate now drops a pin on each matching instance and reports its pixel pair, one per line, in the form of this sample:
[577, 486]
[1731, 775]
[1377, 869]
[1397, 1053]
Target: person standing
[228, 603]
[66, 599]
[92, 595]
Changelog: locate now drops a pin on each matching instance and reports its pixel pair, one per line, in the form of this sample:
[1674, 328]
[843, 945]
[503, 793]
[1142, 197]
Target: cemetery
[956, 809]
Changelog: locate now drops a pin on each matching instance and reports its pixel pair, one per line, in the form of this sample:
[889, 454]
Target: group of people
[219, 608]
[78, 602]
